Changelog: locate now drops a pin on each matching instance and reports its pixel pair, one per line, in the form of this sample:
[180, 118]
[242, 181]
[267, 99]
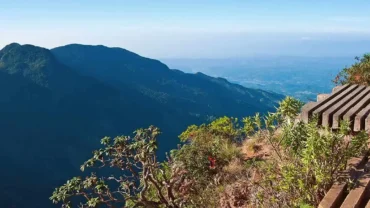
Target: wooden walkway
[339, 195]
[351, 102]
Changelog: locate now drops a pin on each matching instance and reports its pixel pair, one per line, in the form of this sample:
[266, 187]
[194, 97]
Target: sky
[193, 29]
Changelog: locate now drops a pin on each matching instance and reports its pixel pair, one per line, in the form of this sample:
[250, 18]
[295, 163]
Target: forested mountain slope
[188, 93]
[53, 104]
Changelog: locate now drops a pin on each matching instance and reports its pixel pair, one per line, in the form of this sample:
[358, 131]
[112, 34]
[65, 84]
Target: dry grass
[235, 167]
[252, 149]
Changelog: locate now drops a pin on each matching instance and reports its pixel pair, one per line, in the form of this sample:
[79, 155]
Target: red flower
[212, 162]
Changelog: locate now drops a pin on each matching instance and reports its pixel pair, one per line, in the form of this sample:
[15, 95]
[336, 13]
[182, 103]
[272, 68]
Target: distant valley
[301, 77]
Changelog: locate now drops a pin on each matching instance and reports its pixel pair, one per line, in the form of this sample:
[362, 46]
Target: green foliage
[294, 137]
[209, 169]
[225, 126]
[257, 121]
[215, 141]
[145, 181]
[248, 125]
[290, 107]
[358, 73]
[310, 159]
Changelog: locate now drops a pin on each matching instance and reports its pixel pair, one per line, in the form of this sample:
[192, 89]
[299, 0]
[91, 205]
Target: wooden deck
[351, 102]
[339, 195]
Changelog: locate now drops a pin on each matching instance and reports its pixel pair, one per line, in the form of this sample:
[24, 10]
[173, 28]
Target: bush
[143, 181]
[208, 149]
[358, 73]
[308, 161]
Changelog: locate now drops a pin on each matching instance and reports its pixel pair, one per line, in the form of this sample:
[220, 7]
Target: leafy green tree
[358, 73]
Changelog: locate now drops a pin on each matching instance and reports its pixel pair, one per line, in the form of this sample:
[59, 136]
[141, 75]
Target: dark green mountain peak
[34, 63]
[118, 57]
[39, 66]
[11, 45]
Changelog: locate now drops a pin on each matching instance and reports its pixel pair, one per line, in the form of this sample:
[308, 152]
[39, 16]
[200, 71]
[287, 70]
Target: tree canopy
[358, 73]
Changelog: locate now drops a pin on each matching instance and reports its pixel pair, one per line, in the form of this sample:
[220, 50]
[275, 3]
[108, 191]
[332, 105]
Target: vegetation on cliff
[358, 73]
[273, 161]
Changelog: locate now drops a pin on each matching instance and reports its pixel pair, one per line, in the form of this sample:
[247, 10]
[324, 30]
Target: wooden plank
[356, 195]
[333, 101]
[327, 115]
[306, 108]
[306, 113]
[360, 117]
[321, 97]
[351, 113]
[368, 204]
[339, 114]
[336, 88]
[335, 195]
[367, 120]
[359, 122]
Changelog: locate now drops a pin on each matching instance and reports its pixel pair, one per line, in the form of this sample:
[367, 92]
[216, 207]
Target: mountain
[51, 120]
[195, 94]
[56, 105]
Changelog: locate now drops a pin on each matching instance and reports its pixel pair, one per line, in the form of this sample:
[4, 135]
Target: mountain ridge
[147, 75]
[52, 108]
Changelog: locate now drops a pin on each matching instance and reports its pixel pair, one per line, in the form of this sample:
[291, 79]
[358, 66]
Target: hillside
[195, 94]
[47, 112]
[55, 102]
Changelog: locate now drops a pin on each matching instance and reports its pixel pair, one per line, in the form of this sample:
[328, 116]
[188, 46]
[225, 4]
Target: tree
[358, 73]
[143, 182]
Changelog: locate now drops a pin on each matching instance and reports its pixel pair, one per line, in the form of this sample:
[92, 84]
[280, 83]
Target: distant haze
[301, 77]
[193, 29]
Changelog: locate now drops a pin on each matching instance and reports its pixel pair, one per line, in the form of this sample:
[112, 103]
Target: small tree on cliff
[358, 73]
[142, 182]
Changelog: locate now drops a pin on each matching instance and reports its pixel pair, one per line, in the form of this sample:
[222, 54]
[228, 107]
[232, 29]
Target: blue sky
[193, 29]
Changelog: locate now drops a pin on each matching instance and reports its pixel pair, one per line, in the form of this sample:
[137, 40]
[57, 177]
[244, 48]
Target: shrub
[308, 161]
[143, 181]
[208, 149]
[358, 73]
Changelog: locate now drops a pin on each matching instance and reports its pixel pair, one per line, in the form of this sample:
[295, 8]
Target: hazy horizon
[193, 29]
